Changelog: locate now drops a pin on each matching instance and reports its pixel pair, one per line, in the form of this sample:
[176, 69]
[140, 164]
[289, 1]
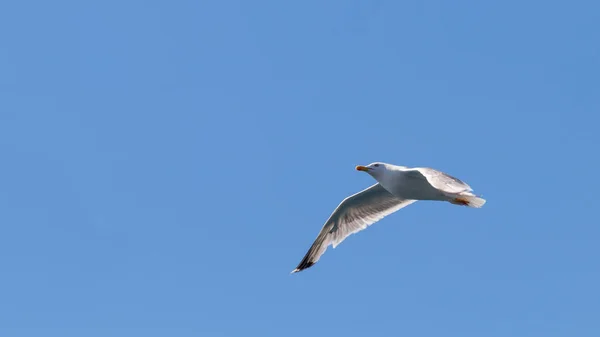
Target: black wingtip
[303, 265]
[311, 257]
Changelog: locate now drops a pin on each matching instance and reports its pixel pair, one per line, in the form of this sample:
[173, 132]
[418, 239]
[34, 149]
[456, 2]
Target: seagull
[396, 188]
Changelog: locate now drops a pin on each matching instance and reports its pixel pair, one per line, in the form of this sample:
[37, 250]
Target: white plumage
[396, 187]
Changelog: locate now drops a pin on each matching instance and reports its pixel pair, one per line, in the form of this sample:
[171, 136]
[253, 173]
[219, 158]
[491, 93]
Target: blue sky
[166, 165]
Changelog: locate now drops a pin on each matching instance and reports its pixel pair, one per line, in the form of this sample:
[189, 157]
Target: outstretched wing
[443, 181]
[352, 215]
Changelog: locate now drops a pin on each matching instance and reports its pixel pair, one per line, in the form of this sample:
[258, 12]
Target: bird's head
[374, 169]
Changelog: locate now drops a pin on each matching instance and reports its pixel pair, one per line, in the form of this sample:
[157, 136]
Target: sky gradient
[167, 164]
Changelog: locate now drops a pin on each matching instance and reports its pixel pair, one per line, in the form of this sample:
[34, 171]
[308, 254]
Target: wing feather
[443, 181]
[352, 215]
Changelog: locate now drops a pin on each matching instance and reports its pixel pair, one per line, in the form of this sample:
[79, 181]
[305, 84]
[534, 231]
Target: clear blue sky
[165, 165]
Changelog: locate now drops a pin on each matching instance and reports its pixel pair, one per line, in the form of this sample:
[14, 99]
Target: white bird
[396, 187]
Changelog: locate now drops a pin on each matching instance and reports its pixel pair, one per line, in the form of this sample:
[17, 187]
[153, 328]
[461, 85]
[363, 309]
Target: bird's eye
[376, 165]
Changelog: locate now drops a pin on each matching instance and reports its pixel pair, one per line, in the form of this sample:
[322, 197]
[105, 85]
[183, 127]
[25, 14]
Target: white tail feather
[473, 201]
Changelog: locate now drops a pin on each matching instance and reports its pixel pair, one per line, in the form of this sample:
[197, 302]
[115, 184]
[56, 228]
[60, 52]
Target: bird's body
[396, 187]
[421, 183]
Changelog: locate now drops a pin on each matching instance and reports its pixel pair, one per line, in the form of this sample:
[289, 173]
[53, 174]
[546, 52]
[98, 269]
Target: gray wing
[443, 181]
[352, 215]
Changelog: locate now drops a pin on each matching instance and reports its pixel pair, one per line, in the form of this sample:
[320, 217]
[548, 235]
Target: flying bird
[396, 187]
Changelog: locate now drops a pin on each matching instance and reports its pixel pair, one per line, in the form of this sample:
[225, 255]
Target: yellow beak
[362, 168]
